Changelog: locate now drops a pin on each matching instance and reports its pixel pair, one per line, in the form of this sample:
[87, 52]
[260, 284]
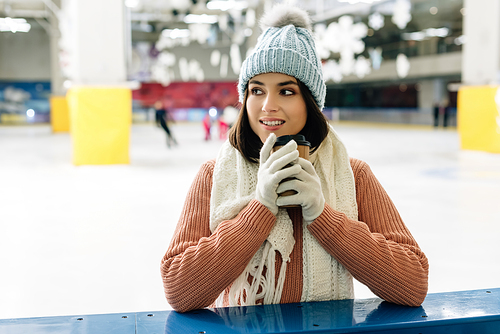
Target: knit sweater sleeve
[378, 249]
[198, 264]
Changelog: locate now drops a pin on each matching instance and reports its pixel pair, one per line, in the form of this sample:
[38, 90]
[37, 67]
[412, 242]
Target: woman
[236, 245]
[161, 118]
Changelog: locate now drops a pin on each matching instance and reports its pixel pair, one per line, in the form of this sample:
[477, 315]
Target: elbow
[407, 298]
[421, 285]
[182, 303]
[406, 291]
[413, 295]
[176, 297]
[418, 296]
[182, 298]
[178, 301]
[181, 307]
[173, 292]
[414, 288]
[416, 299]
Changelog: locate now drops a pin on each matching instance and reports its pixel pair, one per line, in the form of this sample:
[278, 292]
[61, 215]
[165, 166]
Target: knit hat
[286, 46]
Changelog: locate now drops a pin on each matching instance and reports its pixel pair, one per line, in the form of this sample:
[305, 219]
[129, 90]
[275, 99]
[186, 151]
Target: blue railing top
[476, 311]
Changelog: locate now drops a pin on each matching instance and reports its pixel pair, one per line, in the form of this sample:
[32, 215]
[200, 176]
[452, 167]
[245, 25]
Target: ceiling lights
[227, 5]
[358, 1]
[132, 3]
[14, 25]
[176, 33]
[204, 18]
[426, 34]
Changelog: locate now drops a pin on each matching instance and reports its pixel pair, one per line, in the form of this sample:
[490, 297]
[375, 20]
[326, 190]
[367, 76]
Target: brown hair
[249, 144]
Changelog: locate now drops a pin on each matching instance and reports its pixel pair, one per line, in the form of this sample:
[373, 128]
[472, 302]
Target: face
[275, 104]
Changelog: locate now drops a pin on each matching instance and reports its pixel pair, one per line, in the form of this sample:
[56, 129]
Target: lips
[272, 123]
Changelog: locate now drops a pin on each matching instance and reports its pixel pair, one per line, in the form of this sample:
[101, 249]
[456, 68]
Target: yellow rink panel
[59, 114]
[478, 118]
[100, 121]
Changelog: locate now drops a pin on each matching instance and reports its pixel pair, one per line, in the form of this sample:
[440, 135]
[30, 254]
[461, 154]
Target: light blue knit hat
[286, 46]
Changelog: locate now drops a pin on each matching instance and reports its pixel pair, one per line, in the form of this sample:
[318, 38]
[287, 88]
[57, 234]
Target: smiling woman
[247, 138]
[238, 242]
[275, 105]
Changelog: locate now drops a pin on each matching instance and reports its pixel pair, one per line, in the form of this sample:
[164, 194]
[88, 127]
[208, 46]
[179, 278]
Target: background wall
[25, 56]
[145, 54]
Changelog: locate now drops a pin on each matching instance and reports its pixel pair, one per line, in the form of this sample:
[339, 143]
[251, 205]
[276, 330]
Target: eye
[287, 92]
[256, 91]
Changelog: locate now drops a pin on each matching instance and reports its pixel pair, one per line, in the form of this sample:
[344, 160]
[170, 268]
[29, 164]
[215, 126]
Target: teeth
[273, 123]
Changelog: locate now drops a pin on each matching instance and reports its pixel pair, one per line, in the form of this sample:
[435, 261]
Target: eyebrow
[281, 84]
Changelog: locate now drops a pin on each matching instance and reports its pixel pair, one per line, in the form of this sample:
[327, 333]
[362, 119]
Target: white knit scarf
[234, 183]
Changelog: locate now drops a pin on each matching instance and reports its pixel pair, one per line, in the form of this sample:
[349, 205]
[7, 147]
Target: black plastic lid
[299, 139]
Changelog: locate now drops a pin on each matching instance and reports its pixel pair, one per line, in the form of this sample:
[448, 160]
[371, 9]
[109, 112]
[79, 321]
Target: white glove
[272, 171]
[309, 195]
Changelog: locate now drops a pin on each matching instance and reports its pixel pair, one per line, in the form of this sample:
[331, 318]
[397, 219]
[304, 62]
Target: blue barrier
[476, 311]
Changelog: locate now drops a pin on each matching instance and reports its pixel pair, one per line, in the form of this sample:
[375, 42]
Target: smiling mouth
[272, 123]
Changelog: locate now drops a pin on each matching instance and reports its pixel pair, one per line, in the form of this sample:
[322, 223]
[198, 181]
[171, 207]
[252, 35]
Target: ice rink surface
[89, 239]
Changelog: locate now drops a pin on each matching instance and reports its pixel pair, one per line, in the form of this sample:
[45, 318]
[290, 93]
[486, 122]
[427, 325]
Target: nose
[270, 104]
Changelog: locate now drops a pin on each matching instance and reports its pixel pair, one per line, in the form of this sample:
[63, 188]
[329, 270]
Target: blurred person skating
[435, 113]
[162, 117]
[223, 127]
[446, 113]
[441, 109]
[207, 126]
[235, 243]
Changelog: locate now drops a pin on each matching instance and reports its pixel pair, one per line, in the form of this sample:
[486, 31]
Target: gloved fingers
[280, 160]
[307, 166]
[305, 178]
[265, 151]
[289, 147]
[295, 199]
[292, 184]
[285, 173]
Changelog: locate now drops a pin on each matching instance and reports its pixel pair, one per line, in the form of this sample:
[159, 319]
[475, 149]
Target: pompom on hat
[286, 46]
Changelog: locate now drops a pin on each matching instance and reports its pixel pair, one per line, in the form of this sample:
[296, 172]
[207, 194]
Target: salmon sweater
[377, 249]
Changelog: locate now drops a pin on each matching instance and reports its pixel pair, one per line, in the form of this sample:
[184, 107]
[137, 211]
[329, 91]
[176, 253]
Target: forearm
[394, 269]
[195, 272]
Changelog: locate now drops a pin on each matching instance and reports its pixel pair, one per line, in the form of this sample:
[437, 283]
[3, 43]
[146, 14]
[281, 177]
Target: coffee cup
[303, 147]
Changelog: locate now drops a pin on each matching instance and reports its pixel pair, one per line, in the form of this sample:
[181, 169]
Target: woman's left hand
[309, 195]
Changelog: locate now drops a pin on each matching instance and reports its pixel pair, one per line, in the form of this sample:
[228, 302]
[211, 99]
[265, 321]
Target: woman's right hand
[272, 170]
